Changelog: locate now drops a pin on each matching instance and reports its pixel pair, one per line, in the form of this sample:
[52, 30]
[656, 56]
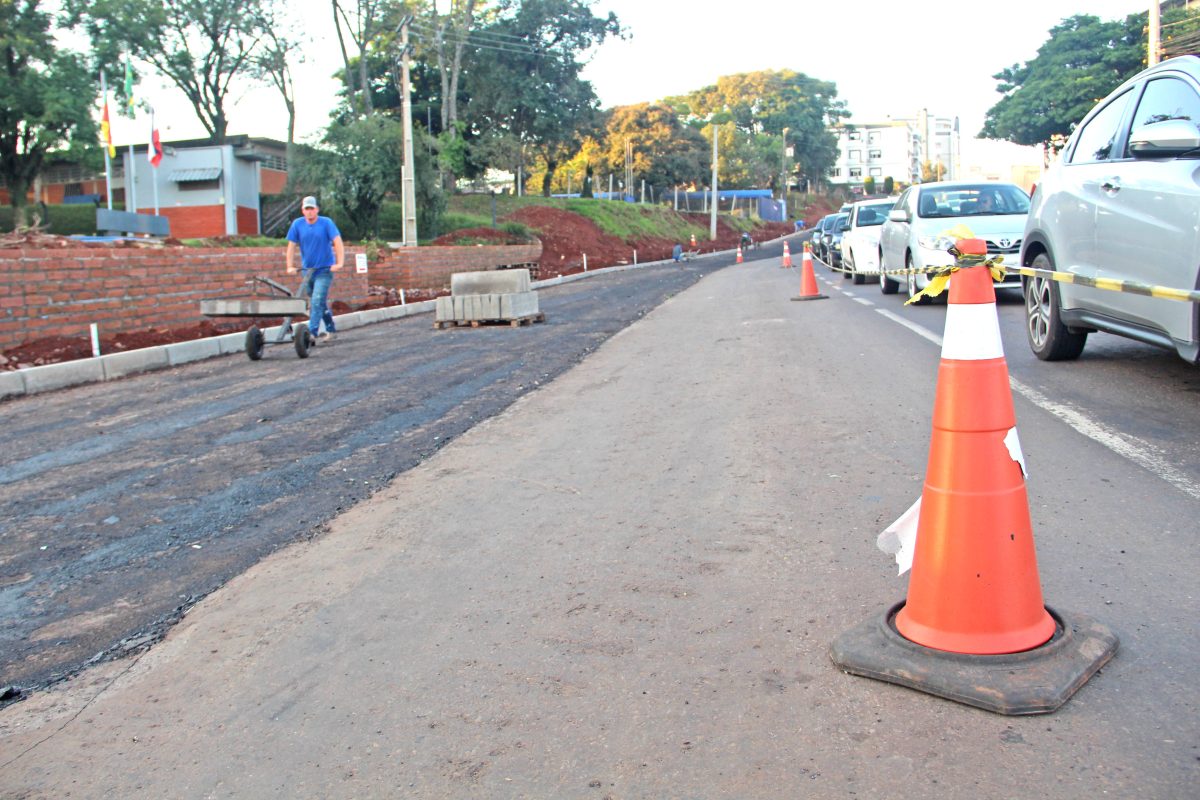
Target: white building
[897, 148]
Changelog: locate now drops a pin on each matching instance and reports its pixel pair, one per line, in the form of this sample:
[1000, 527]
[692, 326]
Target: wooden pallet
[476, 323]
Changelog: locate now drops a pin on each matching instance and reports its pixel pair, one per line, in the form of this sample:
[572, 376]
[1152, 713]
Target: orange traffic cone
[974, 588]
[808, 278]
[693, 241]
[787, 256]
[739, 255]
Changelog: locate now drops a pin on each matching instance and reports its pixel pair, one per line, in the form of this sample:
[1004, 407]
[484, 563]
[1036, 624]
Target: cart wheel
[254, 343]
[302, 339]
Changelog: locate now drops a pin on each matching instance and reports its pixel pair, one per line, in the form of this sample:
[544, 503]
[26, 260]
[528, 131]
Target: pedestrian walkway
[623, 586]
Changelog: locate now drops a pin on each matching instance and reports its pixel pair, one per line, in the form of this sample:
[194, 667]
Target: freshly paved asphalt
[625, 586]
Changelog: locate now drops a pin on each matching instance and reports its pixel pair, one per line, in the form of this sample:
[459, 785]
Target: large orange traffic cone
[787, 256]
[808, 278]
[739, 255]
[974, 588]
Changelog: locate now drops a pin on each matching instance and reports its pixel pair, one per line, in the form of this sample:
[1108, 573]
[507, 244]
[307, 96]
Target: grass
[626, 221]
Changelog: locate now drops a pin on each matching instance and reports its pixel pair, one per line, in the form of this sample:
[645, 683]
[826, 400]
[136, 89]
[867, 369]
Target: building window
[873, 137]
[193, 186]
[876, 172]
[835, 172]
[856, 172]
[874, 155]
[854, 136]
[855, 156]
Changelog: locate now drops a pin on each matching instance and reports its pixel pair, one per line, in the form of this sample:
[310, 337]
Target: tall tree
[273, 63]
[665, 151]
[363, 22]
[768, 101]
[1082, 61]
[530, 94]
[202, 46]
[46, 99]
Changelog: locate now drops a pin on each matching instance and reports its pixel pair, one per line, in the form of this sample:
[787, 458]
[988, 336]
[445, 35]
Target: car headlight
[937, 242]
[837, 245]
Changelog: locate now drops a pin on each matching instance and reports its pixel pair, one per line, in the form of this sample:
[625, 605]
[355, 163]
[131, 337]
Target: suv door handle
[1111, 185]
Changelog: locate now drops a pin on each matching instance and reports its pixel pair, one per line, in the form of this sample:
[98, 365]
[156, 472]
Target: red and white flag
[154, 152]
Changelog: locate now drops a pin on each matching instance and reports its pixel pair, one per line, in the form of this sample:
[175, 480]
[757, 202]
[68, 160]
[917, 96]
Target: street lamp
[712, 219]
[783, 175]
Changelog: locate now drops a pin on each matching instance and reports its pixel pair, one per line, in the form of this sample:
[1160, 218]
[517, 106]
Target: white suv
[1121, 203]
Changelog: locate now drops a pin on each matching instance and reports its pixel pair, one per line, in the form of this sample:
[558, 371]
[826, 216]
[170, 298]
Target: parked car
[819, 236]
[860, 242]
[832, 240]
[1121, 202]
[914, 234]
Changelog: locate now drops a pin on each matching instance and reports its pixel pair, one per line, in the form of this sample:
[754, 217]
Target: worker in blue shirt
[321, 254]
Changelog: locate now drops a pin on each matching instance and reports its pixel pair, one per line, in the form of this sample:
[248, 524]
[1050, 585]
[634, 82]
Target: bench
[117, 222]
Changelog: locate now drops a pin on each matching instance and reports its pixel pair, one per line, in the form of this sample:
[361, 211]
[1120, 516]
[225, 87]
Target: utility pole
[783, 182]
[408, 174]
[712, 220]
[1152, 40]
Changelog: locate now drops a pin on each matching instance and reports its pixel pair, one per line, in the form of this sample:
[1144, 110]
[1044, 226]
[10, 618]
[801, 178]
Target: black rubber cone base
[813, 297]
[1036, 681]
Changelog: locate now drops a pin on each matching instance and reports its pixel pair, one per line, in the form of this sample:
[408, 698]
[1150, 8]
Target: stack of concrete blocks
[492, 296]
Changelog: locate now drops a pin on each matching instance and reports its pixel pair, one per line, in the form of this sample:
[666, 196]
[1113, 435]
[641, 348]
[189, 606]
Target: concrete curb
[32, 380]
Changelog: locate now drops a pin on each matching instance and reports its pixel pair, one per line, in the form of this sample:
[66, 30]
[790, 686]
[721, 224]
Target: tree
[665, 151]
[202, 46]
[1083, 60]
[868, 185]
[46, 99]
[365, 22]
[272, 63]
[889, 185]
[530, 100]
[768, 101]
[355, 168]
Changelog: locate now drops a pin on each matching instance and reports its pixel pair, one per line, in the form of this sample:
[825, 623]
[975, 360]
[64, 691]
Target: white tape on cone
[972, 332]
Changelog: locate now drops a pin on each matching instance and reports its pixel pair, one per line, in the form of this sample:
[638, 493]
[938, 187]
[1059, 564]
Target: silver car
[915, 235]
[1122, 202]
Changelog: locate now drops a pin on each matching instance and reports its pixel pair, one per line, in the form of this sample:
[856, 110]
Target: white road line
[864, 301]
[1130, 447]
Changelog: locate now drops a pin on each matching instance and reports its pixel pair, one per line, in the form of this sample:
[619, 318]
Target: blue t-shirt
[316, 242]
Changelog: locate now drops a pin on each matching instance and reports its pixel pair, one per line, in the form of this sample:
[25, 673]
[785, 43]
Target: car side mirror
[899, 215]
[1166, 139]
[844, 226]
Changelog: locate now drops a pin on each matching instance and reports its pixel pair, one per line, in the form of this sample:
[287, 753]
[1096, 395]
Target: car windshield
[874, 214]
[973, 201]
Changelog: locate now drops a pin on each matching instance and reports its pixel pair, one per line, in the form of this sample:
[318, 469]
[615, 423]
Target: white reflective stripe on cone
[972, 332]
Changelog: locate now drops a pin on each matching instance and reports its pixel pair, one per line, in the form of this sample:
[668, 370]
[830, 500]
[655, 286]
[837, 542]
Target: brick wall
[60, 292]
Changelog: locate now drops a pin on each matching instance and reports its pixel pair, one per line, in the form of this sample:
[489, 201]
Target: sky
[886, 58]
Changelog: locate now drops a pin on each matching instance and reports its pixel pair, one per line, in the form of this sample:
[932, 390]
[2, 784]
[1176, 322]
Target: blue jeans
[316, 285]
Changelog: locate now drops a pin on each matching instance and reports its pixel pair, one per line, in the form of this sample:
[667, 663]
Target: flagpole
[107, 161]
[150, 150]
[131, 183]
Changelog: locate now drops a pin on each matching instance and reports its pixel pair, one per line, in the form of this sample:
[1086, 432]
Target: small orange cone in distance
[787, 256]
[808, 278]
[974, 585]
[739, 255]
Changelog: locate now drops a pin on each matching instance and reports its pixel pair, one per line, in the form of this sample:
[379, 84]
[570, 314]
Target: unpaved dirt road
[124, 503]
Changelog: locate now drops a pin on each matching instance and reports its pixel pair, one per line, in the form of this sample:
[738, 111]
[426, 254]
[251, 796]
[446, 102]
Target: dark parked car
[823, 227]
[833, 240]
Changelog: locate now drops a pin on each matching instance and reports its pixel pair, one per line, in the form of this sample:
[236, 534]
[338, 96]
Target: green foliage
[869, 185]
[516, 230]
[665, 151]
[766, 102]
[1083, 60]
[354, 171]
[889, 185]
[199, 45]
[46, 98]
[61, 220]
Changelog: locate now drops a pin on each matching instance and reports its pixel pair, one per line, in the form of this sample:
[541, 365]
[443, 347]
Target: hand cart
[278, 301]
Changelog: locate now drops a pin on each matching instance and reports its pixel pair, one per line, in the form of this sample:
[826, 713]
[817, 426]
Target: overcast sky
[887, 58]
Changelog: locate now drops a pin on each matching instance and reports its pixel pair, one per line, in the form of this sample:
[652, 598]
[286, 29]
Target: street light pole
[783, 177]
[712, 220]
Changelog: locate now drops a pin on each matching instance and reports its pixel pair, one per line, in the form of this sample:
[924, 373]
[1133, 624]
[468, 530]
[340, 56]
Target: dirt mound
[566, 237]
[470, 236]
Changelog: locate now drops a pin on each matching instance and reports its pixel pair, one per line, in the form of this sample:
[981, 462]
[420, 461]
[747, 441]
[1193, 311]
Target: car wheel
[913, 291]
[1049, 338]
[886, 284]
[859, 279]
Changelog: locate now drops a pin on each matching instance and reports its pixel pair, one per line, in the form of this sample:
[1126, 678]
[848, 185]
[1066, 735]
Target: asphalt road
[625, 585]
[124, 503]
